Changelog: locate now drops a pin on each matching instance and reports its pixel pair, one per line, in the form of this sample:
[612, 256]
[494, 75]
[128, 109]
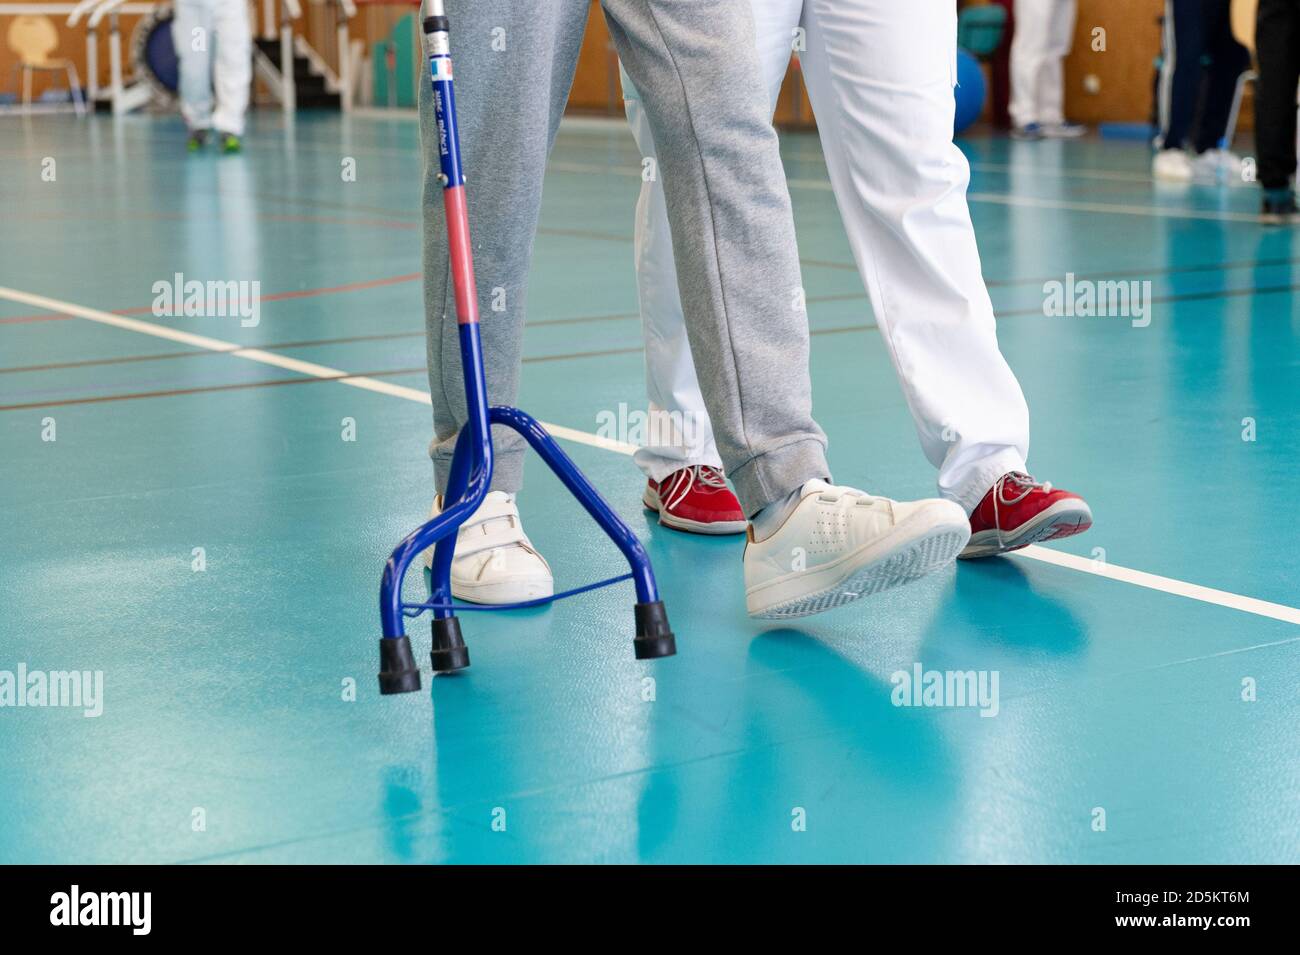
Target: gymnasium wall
[1123, 71]
[72, 45]
[317, 24]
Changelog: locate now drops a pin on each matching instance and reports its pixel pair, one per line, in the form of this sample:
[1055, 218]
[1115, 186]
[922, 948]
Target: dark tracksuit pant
[1277, 47]
[1195, 30]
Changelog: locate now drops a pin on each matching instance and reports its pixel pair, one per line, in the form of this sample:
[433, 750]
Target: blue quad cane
[471, 466]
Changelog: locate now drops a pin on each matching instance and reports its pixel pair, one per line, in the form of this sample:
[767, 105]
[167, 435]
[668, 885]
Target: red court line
[42, 317]
[273, 297]
[335, 220]
[162, 356]
[207, 389]
[350, 287]
[45, 216]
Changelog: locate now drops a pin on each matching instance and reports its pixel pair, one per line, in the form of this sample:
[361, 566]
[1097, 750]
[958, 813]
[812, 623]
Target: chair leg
[74, 85]
[1230, 131]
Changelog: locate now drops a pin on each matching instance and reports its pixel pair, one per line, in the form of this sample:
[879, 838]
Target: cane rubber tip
[397, 670]
[449, 650]
[654, 637]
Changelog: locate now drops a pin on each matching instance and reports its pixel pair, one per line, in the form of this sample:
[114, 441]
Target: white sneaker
[1172, 165]
[495, 562]
[1216, 164]
[840, 544]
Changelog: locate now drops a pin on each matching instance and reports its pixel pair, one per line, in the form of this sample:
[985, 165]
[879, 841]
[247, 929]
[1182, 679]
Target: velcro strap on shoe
[494, 525]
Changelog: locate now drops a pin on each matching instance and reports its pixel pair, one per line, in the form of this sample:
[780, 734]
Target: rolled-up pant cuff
[773, 475]
[981, 476]
[507, 467]
[657, 467]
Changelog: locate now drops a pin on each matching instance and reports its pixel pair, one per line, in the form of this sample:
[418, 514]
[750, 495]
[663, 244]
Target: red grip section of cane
[462, 257]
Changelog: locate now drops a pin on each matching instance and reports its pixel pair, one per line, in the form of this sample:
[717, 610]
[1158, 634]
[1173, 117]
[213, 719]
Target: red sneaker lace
[1025, 482]
[704, 475]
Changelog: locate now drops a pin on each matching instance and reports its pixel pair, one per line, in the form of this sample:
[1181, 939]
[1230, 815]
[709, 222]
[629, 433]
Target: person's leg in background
[722, 156]
[681, 464]
[884, 106]
[511, 97]
[684, 482]
[1051, 80]
[1228, 60]
[695, 67]
[1000, 71]
[234, 70]
[1179, 89]
[1043, 35]
[1277, 48]
[1031, 46]
[193, 39]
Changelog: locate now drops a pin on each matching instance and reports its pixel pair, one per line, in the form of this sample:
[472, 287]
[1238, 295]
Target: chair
[33, 39]
[1242, 18]
[980, 29]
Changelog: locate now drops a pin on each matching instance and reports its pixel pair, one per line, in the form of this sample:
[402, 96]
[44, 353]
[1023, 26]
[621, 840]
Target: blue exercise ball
[152, 51]
[969, 91]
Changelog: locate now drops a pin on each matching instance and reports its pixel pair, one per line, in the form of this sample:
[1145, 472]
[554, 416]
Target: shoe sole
[495, 594]
[911, 560]
[1062, 519]
[716, 528]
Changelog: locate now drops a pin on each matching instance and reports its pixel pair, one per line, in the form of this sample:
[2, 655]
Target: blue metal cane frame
[471, 468]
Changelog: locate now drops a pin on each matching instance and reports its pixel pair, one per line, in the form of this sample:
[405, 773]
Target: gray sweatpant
[695, 66]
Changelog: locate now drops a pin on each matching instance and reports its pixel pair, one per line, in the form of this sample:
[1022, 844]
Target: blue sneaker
[1064, 130]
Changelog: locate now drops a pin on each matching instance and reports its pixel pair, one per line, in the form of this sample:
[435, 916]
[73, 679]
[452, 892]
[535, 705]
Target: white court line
[991, 198]
[1113, 208]
[616, 124]
[1137, 578]
[1073, 205]
[1167, 585]
[311, 369]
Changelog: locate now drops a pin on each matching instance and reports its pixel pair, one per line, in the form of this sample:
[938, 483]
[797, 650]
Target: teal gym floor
[228, 733]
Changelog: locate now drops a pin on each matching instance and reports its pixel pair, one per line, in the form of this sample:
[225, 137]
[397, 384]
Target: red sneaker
[696, 499]
[1019, 511]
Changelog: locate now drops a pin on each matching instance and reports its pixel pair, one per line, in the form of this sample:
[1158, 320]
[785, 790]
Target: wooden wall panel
[1123, 71]
[72, 45]
[596, 88]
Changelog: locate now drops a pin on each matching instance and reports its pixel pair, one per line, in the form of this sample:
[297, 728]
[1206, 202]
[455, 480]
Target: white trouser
[198, 26]
[880, 75]
[1043, 35]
